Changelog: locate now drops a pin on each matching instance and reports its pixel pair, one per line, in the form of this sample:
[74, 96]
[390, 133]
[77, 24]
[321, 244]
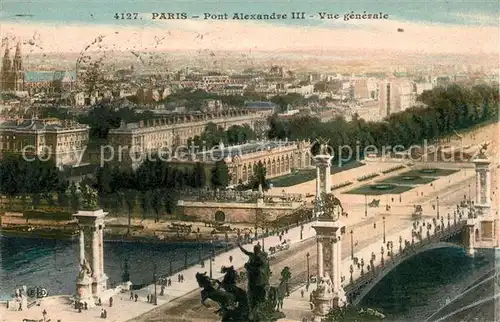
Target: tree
[130, 196]
[157, 203]
[145, 200]
[286, 275]
[220, 175]
[259, 177]
[74, 198]
[199, 175]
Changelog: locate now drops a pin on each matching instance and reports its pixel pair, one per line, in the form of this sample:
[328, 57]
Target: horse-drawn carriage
[417, 212]
[374, 203]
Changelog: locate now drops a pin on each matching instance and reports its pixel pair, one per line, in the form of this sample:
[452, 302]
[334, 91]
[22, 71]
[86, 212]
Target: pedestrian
[307, 286]
[148, 298]
[20, 306]
[136, 297]
[202, 264]
[170, 280]
[44, 313]
[99, 302]
[162, 290]
[105, 314]
[230, 259]
[131, 295]
[374, 225]
[102, 313]
[85, 306]
[110, 302]
[79, 307]
[302, 293]
[178, 278]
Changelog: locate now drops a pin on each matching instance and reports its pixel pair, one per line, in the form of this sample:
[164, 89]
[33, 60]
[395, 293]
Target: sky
[437, 27]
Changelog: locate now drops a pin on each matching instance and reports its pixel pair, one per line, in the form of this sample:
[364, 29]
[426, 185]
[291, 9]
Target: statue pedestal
[323, 299]
[91, 224]
[84, 290]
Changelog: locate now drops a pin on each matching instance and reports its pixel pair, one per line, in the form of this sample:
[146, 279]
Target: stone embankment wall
[236, 212]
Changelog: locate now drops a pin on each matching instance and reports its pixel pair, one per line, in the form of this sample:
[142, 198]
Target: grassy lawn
[293, 179]
[430, 172]
[347, 166]
[371, 191]
[408, 180]
[305, 175]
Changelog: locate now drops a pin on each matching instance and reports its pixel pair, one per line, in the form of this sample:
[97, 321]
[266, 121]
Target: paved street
[398, 220]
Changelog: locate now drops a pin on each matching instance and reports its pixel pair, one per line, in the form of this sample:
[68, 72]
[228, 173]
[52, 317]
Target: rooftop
[49, 76]
[260, 105]
[40, 125]
[222, 152]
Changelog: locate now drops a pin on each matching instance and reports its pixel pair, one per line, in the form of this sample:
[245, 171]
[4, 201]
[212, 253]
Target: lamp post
[211, 255]
[383, 225]
[154, 278]
[366, 206]
[185, 259]
[437, 207]
[199, 250]
[352, 246]
[307, 258]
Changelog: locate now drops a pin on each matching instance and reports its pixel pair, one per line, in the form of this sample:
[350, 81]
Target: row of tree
[447, 110]
[213, 135]
[38, 179]
[155, 185]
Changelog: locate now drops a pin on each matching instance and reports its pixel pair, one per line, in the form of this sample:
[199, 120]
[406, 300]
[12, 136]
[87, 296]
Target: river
[411, 292]
[53, 264]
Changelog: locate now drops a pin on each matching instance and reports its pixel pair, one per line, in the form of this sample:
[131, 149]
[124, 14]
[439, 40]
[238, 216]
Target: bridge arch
[220, 216]
[388, 267]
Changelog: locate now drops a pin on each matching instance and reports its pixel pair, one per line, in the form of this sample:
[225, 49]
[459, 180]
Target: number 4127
[126, 15]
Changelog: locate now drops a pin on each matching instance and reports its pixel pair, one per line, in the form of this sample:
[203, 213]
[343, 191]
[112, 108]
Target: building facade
[396, 96]
[130, 142]
[64, 142]
[278, 157]
[15, 78]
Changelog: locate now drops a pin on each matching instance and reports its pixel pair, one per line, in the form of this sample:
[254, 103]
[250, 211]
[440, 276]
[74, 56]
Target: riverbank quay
[124, 308]
[146, 230]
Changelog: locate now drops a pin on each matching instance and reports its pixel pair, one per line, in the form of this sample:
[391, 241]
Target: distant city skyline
[417, 27]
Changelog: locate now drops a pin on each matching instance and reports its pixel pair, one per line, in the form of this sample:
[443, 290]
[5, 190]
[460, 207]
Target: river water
[53, 264]
[411, 292]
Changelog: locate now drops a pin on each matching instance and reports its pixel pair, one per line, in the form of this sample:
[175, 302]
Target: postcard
[249, 161]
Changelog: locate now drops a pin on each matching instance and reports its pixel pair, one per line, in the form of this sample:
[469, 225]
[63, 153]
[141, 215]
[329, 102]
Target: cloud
[363, 36]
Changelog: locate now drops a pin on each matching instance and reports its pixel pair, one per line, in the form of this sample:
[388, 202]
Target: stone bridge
[370, 265]
[362, 280]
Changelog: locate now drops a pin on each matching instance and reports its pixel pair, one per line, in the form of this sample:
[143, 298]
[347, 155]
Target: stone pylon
[482, 231]
[91, 225]
[323, 163]
[483, 183]
[329, 292]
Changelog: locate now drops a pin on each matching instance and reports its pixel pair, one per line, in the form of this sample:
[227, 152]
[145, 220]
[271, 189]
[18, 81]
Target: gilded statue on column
[89, 198]
[332, 207]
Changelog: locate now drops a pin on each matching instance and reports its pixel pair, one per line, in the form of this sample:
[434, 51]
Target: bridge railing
[352, 286]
